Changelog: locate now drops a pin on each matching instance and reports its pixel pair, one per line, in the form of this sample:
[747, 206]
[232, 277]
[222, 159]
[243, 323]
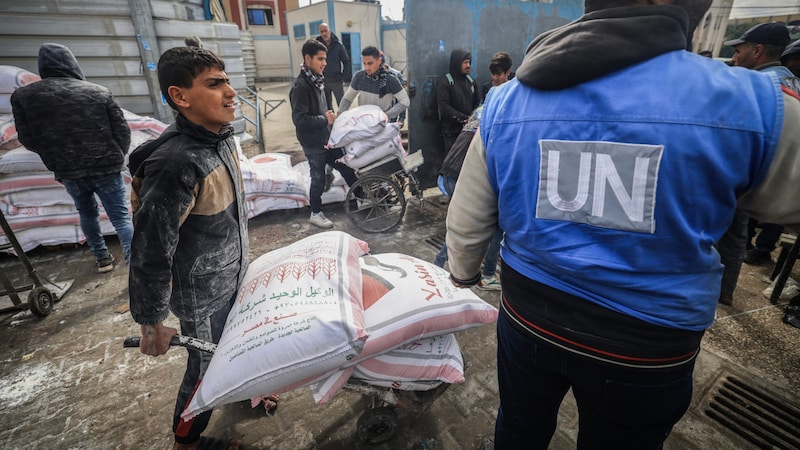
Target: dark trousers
[768, 238]
[316, 165]
[337, 89]
[619, 407]
[731, 248]
[207, 329]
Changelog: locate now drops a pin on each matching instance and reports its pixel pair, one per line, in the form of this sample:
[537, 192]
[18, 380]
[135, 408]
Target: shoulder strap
[449, 78]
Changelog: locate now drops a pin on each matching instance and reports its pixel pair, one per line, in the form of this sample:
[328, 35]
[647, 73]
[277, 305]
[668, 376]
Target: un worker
[613, 162]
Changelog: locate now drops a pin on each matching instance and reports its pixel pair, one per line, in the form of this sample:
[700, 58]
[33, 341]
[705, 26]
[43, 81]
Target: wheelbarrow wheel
[377, 425]
[375, 203]
[40, 301]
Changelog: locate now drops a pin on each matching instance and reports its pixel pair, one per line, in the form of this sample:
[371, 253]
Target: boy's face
[316, 64]
[500, 77]
[210, 102]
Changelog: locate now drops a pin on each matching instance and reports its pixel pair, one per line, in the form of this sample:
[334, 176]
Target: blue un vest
[616, 190]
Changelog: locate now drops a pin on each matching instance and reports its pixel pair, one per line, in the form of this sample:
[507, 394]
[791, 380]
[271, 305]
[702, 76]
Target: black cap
[793, 49]
[770, 33]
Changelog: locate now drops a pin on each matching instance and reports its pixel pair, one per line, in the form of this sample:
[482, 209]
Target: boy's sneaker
[105, 264]
[320, 220]
[489, 284]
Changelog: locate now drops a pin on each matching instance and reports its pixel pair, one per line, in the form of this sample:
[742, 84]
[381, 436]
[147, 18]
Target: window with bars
[299, 31]
[259, 16]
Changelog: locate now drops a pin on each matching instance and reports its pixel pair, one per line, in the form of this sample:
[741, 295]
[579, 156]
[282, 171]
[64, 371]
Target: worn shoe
[726, 299]
[105, 264]
[489, 284]
[320, 220]
[756, 257]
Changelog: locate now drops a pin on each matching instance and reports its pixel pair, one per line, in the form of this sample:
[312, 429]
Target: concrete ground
[66, 382]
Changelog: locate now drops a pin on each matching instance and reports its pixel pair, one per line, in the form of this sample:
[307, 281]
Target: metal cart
[376, 201]
[376, 424]
[40, 298]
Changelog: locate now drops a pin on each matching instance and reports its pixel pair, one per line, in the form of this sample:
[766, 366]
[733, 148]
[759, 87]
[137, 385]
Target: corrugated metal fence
[102, 36]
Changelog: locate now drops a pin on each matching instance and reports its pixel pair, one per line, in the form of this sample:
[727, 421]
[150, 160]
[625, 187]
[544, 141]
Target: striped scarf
[318, 80]
[380, 77]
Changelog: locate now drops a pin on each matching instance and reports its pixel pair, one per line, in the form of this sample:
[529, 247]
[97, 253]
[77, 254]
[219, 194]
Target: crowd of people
[606, 292]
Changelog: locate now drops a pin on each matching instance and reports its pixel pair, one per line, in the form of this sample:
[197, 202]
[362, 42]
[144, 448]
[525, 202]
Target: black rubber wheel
[40, 301]
[375, 204]
[377, 425]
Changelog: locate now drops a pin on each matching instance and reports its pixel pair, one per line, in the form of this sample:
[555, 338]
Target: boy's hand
[155, 339]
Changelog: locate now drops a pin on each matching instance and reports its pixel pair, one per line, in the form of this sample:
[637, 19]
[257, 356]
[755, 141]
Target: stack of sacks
[270, 183]
[366, 136]
[11, 78]
[337, 191]
[315, 314]
[298, 314]
[411, 310]
[36, 206]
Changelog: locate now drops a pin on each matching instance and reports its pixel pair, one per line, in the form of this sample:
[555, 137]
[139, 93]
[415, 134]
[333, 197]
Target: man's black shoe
[756, 257]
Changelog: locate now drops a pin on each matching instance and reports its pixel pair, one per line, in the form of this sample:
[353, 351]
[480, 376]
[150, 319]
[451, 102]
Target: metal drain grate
[757, 416]
[436, 241]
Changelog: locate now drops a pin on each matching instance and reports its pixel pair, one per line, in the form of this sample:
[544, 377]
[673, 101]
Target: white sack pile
[366, 136]
[315, 314]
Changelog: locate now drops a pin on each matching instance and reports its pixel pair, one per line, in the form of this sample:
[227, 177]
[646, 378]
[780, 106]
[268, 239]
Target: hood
[600, 43]
[458, 56]
[56, 60]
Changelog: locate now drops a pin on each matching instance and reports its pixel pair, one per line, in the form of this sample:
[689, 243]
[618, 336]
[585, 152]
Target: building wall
[358, 18]
[394, 46]
[272, 58]
[710, 34]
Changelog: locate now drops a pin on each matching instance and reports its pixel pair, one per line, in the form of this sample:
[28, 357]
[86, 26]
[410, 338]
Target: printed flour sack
[298, 315]
[407, 299]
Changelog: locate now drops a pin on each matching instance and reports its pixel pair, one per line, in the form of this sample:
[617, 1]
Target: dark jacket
[338, 67]
[75, 126]
[308, 115]
[456, 101]
[189, 249]
[451, 166]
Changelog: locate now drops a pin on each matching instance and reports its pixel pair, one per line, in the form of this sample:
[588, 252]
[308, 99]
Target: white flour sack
[362, 122]
[407, 299]
[298, 315]
[417, 366]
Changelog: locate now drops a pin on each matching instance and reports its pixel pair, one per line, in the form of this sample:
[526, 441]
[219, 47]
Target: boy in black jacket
[189, 250]
[312, 123]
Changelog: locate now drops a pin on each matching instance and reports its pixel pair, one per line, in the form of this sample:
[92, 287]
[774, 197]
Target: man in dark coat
[81, 135]
[338, 65]
[457, 95]
[312, 123]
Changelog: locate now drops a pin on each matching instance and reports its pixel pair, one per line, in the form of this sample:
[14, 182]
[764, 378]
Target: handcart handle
[177, 340]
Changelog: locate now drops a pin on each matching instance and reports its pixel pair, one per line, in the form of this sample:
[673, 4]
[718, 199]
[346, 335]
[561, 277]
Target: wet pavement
[66, 382]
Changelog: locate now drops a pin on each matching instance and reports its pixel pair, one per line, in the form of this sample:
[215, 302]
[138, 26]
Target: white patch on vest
[575, 177]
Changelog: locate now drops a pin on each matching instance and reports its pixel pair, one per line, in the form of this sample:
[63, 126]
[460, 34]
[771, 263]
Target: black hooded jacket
[75, 126]
[456, 101]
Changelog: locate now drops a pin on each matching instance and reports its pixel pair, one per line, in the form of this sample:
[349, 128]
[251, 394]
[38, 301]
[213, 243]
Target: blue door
[352, 42]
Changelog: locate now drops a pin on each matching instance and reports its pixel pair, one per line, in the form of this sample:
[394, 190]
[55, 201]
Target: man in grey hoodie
[81, 135]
